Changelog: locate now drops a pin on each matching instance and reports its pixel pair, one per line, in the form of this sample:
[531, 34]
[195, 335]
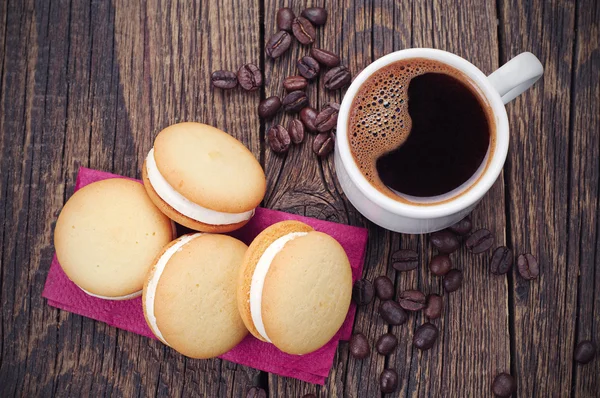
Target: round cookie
[189, 296]
[294, 287]
[107, 236]
[203, 178]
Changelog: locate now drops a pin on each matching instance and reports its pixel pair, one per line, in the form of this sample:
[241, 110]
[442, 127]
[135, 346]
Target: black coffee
[419, 127]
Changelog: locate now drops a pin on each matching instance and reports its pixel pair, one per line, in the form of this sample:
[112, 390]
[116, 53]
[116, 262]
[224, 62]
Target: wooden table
[91, 83]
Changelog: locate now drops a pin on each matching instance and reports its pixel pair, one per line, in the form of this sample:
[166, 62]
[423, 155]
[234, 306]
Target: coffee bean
[440, 264]
[359, 346]
[504, 385]
[585, 351]
[434, 306]
[323, 144]
[303, 30]
[392, 313]
[285, 17]
[223, 79]
[250, 77]
[445, 241]
[462, 227]
[278, 44]
[452, 280]
[388, 381]
[337, 78]
[386, 344]
[294, 83]
[308, 116]
[405, 260]
[296, 130]
[316, 15]
[384, 288]
[362, 292]
[269, 107]
[528, 266]
[278, 139]
[480, 241]
[308, 67]
[502, 260]
[412, 300]
[326, 58]
[425, 336]
[327, 118]
[295, 101]
[256, 392]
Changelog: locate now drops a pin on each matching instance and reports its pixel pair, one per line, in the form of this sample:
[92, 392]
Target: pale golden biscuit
[203, 178]
[189, 296]
[107, 236]
[303, 280]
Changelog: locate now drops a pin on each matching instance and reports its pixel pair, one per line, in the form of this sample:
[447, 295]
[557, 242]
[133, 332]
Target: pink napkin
[128, 315]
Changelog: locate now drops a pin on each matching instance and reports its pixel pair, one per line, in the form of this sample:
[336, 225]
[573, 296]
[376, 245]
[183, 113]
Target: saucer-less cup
[432, 214]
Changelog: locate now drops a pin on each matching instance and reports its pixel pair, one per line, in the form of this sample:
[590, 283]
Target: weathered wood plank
[583, 254]
[538, 196]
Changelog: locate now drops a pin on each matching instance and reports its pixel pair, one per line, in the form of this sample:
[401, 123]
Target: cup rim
[478, 189]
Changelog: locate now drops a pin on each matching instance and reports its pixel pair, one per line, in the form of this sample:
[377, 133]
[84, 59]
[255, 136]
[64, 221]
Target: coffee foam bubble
[379, 121]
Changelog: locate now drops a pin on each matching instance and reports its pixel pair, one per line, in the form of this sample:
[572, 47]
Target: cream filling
[183, 205]
[126, 297]
[258, 279]
[153, 283]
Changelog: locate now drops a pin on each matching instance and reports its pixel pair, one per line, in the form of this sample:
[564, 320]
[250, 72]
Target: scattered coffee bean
[462, 227]
[337, 78]
[386, 344]
[359, 346]
[388, 381]
[392, 313]
[269, 107]
[434, 306]
[303, 30]
[308, 67]
[278, 44]
[528, 266]
[308, 116]
[585, 351]
[285, 17]
[278, 139]
[445, 241]
[296, 130]
[480, 241]
[440, 264]
[412, 300]
[502, 260]
[384, 288]
[323, 144]
[504, 385]
[452, 280]
[326, 58]
[362, 292]
[256, 392]
[316, 15]
[405, 260]
[327, 118]
[250, 77]
[294, 83]
[295, 101]
[223, 79]
[425, 336]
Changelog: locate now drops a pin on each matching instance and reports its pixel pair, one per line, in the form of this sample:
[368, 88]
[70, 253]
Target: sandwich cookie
[203, 178]
[294, 287]
[107, 236]
[189, 296]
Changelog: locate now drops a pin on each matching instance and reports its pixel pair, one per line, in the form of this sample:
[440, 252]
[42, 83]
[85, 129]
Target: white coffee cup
[499, 88]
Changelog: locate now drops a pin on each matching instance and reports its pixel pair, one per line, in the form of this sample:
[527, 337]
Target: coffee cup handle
[516, 76]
